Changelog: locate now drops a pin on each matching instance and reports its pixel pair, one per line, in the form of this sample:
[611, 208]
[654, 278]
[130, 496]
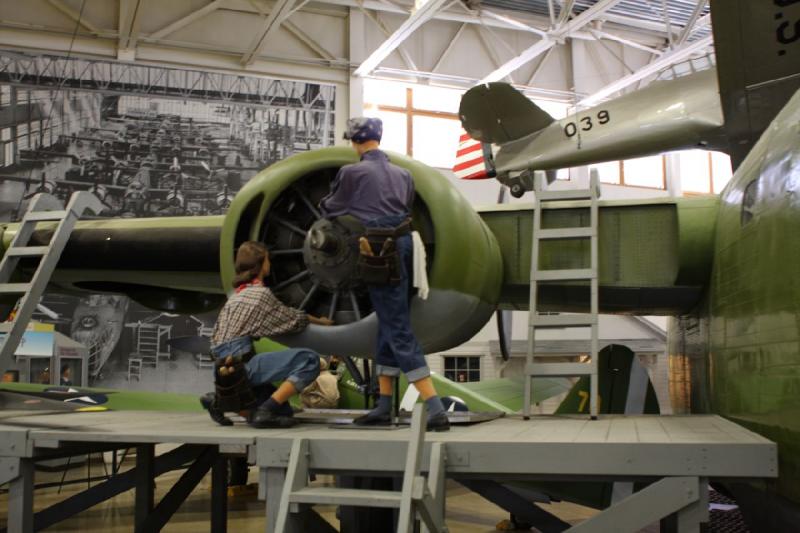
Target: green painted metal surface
[737, 353]
[456, 225]
[663, 244]
[753, 361]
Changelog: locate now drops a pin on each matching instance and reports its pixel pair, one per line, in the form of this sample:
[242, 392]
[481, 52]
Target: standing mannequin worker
[380, 194]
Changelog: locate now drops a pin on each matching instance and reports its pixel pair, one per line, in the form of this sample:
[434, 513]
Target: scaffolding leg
[20, 499]
[275, 478]
[145, 479]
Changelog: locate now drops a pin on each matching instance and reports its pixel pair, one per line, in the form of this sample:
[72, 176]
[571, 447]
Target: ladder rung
[356, 497]
[559, 369]
[565, 233]
[27, 251]
[15, 288]
[568, 194]
[564, 275]
[37, 216]
[562, 321]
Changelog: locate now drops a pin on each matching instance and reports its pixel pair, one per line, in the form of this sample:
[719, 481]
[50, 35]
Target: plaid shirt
[256, 312]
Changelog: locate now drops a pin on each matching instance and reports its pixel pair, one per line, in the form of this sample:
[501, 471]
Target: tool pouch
[233, 390]
[383, 267]
[380, 264]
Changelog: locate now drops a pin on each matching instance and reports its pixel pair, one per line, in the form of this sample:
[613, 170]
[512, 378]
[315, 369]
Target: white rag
[420, 271]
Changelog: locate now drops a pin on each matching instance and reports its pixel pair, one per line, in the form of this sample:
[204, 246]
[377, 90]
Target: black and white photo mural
[148, 142]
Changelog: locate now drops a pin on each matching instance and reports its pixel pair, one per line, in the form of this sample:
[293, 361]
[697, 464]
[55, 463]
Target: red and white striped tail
[470, 164]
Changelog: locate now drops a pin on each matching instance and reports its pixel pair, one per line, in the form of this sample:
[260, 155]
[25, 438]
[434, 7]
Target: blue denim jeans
[398, 349]
[299, 366]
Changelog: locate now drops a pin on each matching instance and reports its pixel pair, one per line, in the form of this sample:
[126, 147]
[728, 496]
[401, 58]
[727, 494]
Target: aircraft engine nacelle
[313, 260]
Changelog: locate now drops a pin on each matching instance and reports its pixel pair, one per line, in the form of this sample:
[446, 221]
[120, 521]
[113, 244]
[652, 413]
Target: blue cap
[363, 129]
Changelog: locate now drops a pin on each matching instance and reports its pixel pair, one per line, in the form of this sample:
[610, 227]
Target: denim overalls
[299, 366]
[398, 349]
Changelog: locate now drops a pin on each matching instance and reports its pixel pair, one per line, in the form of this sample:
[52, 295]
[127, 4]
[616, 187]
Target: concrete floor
[466, 511]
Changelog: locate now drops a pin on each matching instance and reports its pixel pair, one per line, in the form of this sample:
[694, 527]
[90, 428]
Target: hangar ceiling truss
[667, 30]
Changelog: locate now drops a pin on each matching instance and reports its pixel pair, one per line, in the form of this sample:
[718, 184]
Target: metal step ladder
[581, 198]
[418, 497]
[42, 208]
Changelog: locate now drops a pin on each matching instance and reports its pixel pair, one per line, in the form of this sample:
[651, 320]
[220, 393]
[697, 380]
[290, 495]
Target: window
[6, 148]
[419, 121]
[610, 172]
[435, 140]
[22, 136]
[647, 172]
[463, 368]
[721, 171]
[704, 172]
[5, 95]
[395, 130]
[695, 171]
[644, 172]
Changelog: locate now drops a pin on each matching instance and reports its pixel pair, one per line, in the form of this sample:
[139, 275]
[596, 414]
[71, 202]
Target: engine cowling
[312, 262]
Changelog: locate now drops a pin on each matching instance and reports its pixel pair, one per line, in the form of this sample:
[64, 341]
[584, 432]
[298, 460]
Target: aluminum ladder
[418, 497]
[42, 208]
[580, 198]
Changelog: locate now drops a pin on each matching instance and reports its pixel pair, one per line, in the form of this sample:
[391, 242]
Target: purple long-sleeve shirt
[370, 189]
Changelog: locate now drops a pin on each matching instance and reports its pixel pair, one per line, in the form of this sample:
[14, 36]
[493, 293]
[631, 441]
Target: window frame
[458, 368]
[410, 112]
[710, 161]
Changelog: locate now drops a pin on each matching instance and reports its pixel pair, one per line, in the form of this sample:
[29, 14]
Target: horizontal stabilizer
[497, 113]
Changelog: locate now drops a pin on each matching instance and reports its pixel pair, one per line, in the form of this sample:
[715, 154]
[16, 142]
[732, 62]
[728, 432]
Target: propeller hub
[330, 252]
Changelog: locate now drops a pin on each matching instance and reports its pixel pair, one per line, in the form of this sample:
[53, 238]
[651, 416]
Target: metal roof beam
[633, 44]
[563, 31]
[676, 55]
[417, 19]
[185, 21]
[693, 22]
[307, 40]
[129, 11]
[375, 19]
[74, 15]
[483, 37]
[450, 45]
[276, 16]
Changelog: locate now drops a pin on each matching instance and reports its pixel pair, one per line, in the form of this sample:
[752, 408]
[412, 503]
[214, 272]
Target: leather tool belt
[379, 262]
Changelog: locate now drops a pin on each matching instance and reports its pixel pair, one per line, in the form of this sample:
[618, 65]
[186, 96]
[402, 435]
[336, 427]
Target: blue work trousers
[398, 349]
[299, 366]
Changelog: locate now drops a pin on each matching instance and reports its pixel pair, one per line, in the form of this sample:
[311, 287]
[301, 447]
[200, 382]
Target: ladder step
[564, 195]
[565, 233]
[564, 275]
[27, 251]
[15, 288]
[559, 369]
[37, 216]
[355, 497]
[562, 321]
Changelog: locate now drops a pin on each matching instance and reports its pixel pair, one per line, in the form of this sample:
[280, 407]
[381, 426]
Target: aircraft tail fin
[758, 63]
[497, 113]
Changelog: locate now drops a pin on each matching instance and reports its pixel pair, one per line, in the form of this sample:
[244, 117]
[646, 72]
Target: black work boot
[374, 418]
[208, 401]
[266, 418]
[438, 422]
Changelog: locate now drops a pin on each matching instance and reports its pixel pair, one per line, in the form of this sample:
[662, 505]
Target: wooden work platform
[614, 448]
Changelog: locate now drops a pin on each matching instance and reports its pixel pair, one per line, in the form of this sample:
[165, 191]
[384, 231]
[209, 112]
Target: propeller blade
[504, 330]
